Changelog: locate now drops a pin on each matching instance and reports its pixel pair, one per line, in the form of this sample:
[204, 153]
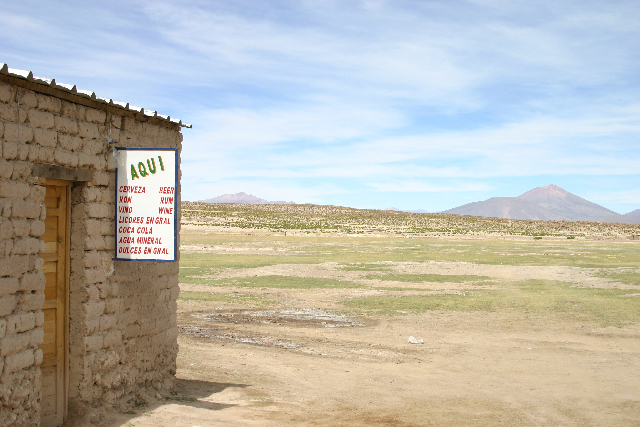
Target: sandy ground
[473, 370]
[299, 363]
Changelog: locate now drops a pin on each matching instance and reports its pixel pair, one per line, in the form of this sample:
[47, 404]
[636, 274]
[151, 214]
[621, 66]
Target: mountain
[543, 203]
[243, 198]
[505, 207]
[564, 204]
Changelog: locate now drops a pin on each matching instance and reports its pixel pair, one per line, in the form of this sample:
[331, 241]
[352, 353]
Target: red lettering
[131, 189]
[131, 220]
[133, 250]
[144, 230]
[149, 240]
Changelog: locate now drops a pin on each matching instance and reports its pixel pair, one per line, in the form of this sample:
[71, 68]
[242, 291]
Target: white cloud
[415, 186]
[317, 123]
[536, 147]
[312, 98]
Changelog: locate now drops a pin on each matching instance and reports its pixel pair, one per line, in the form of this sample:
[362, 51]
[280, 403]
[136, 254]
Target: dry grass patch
[609, 307]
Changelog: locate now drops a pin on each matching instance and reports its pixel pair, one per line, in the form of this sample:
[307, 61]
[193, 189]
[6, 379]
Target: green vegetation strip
[604, 306]
[285, 282]
[194, 264]
[371, 254]
[628, 278]
[430, 278]
[227, 298]
[364, 267]
[272, 281]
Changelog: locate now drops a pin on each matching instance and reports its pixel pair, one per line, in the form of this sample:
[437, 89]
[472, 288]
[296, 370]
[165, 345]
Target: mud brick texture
[122, 315]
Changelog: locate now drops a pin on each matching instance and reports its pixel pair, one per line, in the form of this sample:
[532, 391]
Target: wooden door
[56, 305]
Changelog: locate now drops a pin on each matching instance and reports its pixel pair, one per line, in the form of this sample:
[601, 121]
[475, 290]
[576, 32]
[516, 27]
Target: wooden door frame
[67, 272]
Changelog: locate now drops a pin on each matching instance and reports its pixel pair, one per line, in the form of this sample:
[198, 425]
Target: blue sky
[370, 104]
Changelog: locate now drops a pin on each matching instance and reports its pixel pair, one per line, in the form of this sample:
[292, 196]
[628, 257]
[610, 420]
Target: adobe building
[79, 329]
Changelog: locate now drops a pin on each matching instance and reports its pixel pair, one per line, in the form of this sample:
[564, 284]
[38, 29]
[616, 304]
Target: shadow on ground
[189, 393]
[186, 393]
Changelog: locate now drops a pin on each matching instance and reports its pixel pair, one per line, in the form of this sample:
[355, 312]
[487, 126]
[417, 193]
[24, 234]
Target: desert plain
[303, 316]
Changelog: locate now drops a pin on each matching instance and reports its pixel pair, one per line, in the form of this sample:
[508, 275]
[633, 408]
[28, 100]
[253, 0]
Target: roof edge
[72, 89]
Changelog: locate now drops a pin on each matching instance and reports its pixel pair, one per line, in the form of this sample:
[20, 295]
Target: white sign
[146, 183]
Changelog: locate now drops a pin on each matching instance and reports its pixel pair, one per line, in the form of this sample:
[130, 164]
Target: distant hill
[244, 198]
[543, 203]
[408, 211]
[629, 218]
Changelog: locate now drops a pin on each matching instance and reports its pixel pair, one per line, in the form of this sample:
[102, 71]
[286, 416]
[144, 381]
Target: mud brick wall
[122, 315]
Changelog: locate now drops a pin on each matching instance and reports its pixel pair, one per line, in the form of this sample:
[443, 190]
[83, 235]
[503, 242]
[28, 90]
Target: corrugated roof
[28, 75]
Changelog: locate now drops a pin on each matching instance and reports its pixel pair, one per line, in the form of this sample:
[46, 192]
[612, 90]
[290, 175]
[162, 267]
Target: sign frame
[120, 164]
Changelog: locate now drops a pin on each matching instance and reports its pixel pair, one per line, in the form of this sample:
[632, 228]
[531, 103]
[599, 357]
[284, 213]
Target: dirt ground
[300, 362]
